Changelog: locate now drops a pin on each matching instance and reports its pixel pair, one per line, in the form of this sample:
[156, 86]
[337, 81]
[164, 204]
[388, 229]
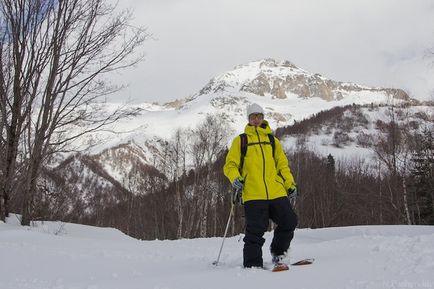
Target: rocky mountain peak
[279, 79]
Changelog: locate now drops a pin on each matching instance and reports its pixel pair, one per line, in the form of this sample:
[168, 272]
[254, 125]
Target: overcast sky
[372, 42]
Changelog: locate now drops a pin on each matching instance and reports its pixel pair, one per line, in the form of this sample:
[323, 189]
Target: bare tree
[54, 56]
[210, 139]
[421, 178]
[394, 150]
[178, 165]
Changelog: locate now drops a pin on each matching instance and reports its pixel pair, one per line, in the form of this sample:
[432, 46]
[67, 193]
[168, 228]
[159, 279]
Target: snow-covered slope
[286, 92]
[69, 256]
[352, 132]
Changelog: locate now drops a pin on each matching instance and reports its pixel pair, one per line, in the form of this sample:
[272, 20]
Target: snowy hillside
[351, 132]
[68, 256]
[286, 92]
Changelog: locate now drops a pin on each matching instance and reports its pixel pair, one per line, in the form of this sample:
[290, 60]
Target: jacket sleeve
[232, 163]
[282, 166]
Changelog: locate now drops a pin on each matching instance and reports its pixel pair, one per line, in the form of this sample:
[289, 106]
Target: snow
[247, 72]
[69, 256]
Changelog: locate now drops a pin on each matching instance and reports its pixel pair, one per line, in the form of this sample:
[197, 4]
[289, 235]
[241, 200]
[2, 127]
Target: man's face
[256, 119]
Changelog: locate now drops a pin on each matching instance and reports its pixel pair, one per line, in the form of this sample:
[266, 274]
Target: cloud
[376, 43]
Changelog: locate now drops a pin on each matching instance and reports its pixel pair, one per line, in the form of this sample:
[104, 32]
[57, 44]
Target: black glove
[292, 195]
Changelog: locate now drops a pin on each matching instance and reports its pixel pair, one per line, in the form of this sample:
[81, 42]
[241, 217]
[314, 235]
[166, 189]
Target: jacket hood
[264, 128]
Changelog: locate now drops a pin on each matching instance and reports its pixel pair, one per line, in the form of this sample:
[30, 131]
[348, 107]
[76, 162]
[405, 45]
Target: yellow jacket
[265, 177]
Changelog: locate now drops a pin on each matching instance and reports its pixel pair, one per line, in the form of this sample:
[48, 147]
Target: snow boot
[279, 263]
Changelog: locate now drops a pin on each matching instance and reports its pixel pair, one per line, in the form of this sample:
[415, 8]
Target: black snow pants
[258, 213]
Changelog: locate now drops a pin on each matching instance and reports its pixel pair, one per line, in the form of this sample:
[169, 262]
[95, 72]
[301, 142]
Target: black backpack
[244, 144]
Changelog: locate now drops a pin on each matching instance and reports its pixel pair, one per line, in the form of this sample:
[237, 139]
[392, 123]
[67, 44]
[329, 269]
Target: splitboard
[280, 267]
[307, 261]
[285, 267]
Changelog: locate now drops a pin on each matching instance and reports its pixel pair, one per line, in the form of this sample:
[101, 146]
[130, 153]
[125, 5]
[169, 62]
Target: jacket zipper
[263, 162]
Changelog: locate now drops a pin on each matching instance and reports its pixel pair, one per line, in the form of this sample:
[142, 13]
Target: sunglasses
[256, 115]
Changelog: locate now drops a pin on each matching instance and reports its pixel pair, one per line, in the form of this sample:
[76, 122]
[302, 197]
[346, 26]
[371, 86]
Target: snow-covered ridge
[286, 92]
[242, 74]
[62, 255]
[282, 78]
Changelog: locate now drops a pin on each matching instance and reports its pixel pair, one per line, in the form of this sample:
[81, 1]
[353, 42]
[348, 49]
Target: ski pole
[224, 237]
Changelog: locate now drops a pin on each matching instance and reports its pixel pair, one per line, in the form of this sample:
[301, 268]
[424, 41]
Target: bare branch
[54, 54]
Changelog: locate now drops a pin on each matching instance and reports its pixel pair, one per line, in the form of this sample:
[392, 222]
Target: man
[267, 186]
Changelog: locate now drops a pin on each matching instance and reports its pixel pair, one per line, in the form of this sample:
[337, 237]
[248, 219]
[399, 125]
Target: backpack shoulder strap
[272, 142]
[243, 143]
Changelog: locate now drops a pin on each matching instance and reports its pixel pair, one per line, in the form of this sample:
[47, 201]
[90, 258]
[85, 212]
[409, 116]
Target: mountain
[281, 79]
[286, 92]
[131, 154]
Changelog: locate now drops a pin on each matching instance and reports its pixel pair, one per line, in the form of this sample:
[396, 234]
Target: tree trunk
[30, 188]
[406, 209]
[179, 210]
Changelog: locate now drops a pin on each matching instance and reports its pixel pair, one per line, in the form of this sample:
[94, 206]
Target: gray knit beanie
[254, 108]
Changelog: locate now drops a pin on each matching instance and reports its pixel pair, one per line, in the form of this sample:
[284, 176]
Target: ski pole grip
[236, 196]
